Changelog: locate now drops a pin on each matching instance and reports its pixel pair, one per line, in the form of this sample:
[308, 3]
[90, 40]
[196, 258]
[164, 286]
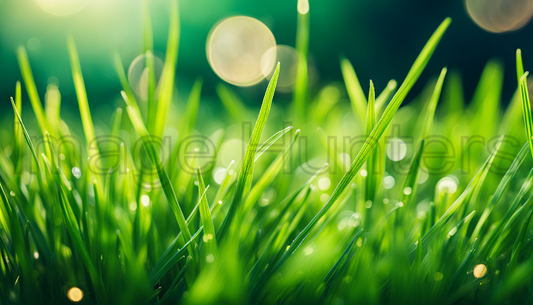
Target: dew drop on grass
[364, 173]
[36, 255]
[76, 172]
[12, 194]
[210, 258]
[145, 200]
[368, 204]
[452, 232]
[407, 191]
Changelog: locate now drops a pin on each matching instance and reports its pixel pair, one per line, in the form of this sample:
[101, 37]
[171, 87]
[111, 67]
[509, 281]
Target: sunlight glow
[62, 7]
[499, 16]
[236, 47]
[480, 270]
[75, 294]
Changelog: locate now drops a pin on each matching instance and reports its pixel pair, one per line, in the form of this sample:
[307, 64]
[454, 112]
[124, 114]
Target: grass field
[375, 201]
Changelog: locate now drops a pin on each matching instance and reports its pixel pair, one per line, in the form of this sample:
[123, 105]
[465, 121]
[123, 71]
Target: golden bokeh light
[75, 294]
[235, 47]
[288, 58]
[480, 270]
[498, 16]
[62, 7]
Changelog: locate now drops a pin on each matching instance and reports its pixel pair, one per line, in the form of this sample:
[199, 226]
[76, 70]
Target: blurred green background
[381, 38]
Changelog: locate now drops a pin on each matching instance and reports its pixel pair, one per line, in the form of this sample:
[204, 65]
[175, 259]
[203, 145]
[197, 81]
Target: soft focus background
[381, 38]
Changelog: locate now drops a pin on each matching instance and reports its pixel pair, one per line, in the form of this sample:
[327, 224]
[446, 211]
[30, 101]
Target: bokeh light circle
[138, 75]
[498, 16]
[75, 294]
[288, 58]
[62, 7]
[235, 47]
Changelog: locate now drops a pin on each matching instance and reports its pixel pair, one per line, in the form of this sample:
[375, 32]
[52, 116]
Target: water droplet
[76, 172]
[145, 200]
[407, 191]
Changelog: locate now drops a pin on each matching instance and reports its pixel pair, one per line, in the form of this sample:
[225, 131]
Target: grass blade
[245, 175]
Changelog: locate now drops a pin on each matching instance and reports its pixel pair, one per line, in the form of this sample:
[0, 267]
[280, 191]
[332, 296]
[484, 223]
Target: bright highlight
[235, 49]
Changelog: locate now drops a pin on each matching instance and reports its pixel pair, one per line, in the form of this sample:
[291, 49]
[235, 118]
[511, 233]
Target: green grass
[273, 228]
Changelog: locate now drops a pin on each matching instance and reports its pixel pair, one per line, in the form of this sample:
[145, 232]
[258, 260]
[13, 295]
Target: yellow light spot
[207, 237]
[480, 270]
[75, 294]
[498, 16]
[359, 242]
[303, 6]
[62, 7]
[235, 49]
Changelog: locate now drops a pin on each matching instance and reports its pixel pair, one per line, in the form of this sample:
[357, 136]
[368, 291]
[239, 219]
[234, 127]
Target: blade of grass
[245, 175]
[368, 146]
[355, 92]
[151, 150]
[302, 48]
[27, 76]
[430, 114]
[169, 70]
[210, 240]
